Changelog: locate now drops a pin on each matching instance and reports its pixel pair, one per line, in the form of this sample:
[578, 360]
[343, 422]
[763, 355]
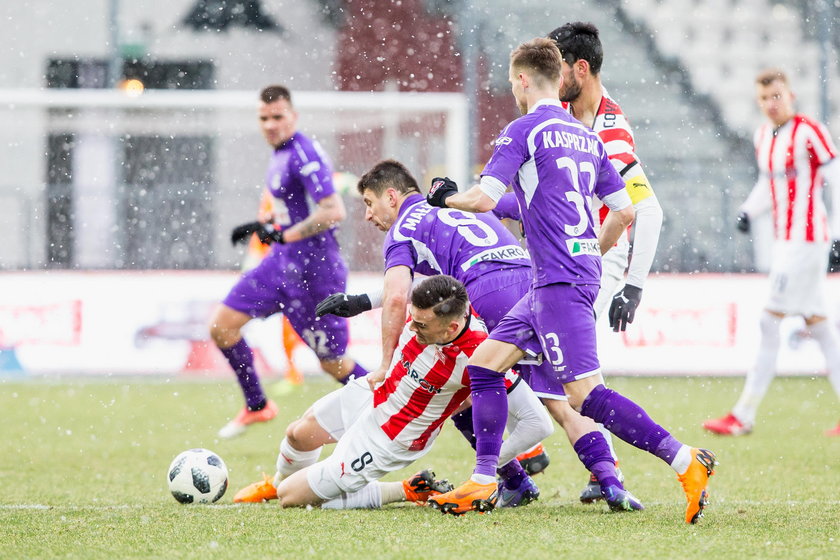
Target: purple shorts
[294, 287]
[557, 321]
[494, 294]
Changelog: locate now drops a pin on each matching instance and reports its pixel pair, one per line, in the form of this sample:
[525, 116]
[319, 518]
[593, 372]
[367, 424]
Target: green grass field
[83, 464]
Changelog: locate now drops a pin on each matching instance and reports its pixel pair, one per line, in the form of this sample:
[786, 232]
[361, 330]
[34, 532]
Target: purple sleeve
[510, 153]
[314, 170]
[609, 181]
[508, 207]
[399, 254]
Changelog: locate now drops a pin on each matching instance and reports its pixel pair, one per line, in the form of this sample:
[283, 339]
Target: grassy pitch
[83, 465]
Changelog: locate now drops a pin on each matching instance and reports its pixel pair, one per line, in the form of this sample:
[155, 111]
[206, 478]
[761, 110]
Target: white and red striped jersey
[790, 180]
[425, 386]
[614, 130]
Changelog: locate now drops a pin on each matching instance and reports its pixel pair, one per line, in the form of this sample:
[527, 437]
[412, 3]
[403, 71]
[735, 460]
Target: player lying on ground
[480, 252]
[555, 166]
[386, 429]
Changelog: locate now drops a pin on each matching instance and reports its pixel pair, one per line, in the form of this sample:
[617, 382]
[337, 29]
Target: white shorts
[797, 279]
[613, 265]
[364, 454]
[337, 411]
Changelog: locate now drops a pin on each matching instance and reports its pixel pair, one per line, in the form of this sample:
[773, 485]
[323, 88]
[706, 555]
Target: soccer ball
[197, 476]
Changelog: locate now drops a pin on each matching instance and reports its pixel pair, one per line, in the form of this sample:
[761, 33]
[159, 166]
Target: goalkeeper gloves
[834, 257]
[266, 233]
[623, 307]
[742, 222]
[343, 305]
[441, 189]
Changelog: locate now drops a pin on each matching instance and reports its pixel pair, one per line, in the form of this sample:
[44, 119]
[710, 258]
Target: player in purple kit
[555, 165]
[478, 250]
[303, 267]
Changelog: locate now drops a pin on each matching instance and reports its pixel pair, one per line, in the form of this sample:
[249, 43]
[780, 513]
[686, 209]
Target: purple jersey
[300, 172]
[464, 245]
[555, 164]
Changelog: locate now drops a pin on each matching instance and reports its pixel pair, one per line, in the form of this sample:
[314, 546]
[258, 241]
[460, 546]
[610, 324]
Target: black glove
[742, 222]
[623, 307]
[834, 257]
[265, 232]
[343, 305]
[441, 189]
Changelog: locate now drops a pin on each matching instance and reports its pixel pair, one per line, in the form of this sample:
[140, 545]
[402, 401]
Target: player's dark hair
[579, 40]
[273, 93]
[767, 77]
[385, 174]
[539, 56]
[443, 294]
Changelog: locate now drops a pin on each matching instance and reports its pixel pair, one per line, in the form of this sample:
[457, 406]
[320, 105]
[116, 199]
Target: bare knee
[306, 434]
[225, 326]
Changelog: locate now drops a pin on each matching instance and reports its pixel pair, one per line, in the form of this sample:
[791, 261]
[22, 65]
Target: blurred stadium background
[98, 177]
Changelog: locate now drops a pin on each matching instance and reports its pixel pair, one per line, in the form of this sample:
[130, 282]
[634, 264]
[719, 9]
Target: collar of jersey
[545, 102]
[410, 202]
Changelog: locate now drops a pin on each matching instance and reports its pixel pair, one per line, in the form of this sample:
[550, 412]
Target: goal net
[101, 179]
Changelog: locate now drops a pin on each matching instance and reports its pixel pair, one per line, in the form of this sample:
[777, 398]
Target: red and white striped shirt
[425, 386]
[790, 180]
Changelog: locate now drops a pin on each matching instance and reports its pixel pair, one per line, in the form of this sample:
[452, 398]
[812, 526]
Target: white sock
[391, 492]
[762, 373]
[368, 497]
[682, 460]
[291, 460]
[483, 478]
[528, 423]
[827, 336]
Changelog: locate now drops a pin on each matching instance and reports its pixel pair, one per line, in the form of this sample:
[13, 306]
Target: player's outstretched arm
[444, 194]
[394, 302]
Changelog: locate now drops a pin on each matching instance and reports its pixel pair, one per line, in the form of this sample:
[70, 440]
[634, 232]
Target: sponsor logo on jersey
[414, 217]
[579, 247]
[506, 253]
[568, 140]
[424, 384]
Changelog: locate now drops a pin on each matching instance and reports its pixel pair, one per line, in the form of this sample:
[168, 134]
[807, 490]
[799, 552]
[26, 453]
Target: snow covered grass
[83, 464]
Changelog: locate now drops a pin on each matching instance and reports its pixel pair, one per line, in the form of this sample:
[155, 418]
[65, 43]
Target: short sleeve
[314, 170]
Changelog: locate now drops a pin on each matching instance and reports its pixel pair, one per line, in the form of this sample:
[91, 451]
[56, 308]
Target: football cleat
[524, 494]
[694, 481]
[833, 431]
[592, 491]
[246, 417]
[534, 461]
[470, 496]
[621, 500]
[257, 492]
[727, 426]
[419, 487]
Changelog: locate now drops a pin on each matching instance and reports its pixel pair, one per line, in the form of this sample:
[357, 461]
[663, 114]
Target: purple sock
[358, 371]
[464, 422]
[490, 410]
[512, 474]
[594, 452]
[630, 422]
[241, 359]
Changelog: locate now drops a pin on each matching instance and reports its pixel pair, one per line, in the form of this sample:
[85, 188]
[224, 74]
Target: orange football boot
[246, 417]
[468, 497]
[257, 492]
[422, 485]
[694, 481]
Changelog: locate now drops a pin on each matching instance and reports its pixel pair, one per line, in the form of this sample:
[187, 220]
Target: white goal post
[109, 160]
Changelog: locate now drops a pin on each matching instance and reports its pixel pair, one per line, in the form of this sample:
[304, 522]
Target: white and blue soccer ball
[197, 476]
